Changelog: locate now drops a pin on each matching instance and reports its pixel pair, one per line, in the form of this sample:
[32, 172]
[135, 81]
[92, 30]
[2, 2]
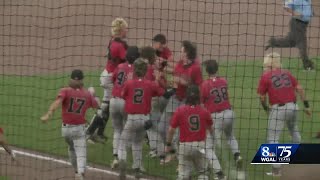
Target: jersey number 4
[80, 103]
[194, 123]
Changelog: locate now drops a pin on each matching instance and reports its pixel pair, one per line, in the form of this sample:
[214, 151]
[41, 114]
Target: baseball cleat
[137, 173]
[276, 172]
[101, 139]
[78, 177]
[273, 174]
[123, 169]
[115, 164]
[239, 162]
[153, 153]
[169, 158]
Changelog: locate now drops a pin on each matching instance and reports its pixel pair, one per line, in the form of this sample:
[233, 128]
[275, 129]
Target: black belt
[304, 22]
[282, 104]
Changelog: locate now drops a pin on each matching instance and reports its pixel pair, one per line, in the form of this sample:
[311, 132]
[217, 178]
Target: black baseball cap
[77, 74]
[132, 54]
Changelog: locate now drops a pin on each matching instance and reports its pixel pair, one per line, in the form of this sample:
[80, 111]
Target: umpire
[301, 11]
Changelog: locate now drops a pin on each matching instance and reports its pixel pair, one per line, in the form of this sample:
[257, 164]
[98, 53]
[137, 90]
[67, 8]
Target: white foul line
[46, 158]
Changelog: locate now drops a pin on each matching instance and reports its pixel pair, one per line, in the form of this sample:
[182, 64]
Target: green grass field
[24, 99]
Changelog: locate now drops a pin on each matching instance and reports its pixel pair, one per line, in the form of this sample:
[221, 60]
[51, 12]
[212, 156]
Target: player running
[121, 74]
[75, 101]
[137, 94]
[193, 121]
[281, 87]
[5, 146]
[215, 97]
[187, 72]
[116, 55]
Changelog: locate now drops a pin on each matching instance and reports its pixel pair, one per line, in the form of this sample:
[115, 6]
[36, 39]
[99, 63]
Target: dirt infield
[42, 37]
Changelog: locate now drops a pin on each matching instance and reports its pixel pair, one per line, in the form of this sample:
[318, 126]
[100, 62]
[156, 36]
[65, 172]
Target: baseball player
[301, 11]
[193, 121]
[215, 97]
[137, 94]
[164, 54]
[116, 55]
[158, 103]
[281, 87]
[75, 101]
[187, 72]
[121, 74]
[5, 146]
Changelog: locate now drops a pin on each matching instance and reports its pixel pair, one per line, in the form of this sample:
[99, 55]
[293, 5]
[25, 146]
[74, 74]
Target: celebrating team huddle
[184, 117]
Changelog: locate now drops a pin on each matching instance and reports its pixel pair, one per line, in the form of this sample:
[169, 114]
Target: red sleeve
[117, 50]
[157, 90]
[163, 81]
[168, 53]
[174, 123]
[293, 80]
[207, 117]
[1, 130]
[62, 93]
[197, 75]
[124, 92]
[94, 103]
[203, 92]
[114, 75]
[263, 86]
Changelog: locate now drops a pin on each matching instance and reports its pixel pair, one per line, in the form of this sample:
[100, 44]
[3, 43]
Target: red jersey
[150, 73]
[138, 93]
[1, 130]
[120, 75]
[117, 53]
[193, 122]
[75, 103]
[280, 86]
[165, 53]
[214, 94]
[191, 72]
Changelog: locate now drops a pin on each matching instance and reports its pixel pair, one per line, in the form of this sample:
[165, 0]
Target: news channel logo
[273, 154]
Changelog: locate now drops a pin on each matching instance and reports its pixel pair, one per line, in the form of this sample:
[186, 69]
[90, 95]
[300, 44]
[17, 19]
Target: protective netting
[42, 41]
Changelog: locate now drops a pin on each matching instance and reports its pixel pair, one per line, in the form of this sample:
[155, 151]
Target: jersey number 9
[194, 123]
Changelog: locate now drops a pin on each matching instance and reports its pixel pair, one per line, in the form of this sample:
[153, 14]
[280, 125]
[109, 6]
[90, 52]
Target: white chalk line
[46, 158]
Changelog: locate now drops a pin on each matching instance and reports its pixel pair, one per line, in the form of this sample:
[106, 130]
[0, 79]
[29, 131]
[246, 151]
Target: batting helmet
[193, 95]
[140, 67]
[272, 61]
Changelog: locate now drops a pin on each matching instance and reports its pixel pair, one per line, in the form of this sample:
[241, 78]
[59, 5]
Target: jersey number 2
[80, 103]
[194, 123]
[138, 96]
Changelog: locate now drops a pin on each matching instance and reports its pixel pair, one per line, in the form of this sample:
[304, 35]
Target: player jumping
[215, 97]
[116, 54]
[75, 101]
[121, 74]
[137, 94]
[281, 87]
[193, 121]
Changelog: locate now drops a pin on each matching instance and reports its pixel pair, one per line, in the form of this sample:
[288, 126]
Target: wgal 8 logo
[268, 154]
